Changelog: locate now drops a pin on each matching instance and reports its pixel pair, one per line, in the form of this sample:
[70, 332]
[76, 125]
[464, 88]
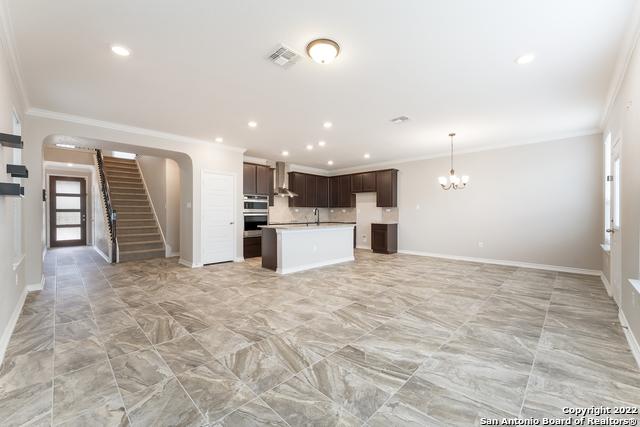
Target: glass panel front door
[67, 211]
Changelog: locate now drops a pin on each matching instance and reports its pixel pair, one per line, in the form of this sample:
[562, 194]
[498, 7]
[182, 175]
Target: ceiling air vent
[399, 119]
[283, 56]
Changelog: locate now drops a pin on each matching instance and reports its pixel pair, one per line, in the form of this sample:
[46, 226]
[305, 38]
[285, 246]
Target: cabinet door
[322, 195]
[378, 239]
[262, 180]
[310, 196]
[334, 192]
[297, 184]
[345, 191]
[248, 178]
[386, 188]
[271, 190]
[368, 182]
[356, 183]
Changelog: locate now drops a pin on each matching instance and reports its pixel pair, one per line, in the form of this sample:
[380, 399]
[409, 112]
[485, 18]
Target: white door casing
[218, 217]
[615, 226]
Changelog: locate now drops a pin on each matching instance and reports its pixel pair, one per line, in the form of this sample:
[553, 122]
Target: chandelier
[453, 181]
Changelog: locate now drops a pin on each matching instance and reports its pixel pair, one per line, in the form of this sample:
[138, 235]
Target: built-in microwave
[256, 203]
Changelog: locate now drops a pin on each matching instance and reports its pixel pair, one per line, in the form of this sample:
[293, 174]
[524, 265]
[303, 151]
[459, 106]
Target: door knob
[231, 223]
[610, 230]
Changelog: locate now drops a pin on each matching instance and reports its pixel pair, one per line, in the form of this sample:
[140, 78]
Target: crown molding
[391, 163]
[70, 118]
[7, 40]
[628, 46]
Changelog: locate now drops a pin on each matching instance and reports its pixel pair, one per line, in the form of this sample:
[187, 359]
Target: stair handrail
[112, 215]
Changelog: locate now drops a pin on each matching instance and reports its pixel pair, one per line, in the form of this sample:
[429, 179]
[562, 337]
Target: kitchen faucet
[316, 213]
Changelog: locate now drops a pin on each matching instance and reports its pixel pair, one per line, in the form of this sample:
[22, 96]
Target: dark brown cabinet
[252, 247]
[311, 191]
[271, 187]
[298, 184]
[334, 191]
[345, 192]
[257, 179]
[387, 188]
[249, 178]
[322, 192]
[356, 183]
[368, 182]
[384, 238]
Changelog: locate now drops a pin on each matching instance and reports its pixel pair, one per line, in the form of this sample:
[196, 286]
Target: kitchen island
[288, 248]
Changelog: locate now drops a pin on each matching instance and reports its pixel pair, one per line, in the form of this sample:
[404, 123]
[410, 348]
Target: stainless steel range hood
[281, 181]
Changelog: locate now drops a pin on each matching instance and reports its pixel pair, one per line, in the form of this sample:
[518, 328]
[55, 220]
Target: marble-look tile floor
[388, 340]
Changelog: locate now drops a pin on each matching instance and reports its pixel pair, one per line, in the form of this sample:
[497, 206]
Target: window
[607, 188]
[17, 201]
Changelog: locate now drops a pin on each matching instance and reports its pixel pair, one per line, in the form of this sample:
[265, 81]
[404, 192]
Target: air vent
[283, 56]
[399, 119]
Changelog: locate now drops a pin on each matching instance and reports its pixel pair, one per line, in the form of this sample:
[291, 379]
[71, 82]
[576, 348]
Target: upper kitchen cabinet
[363, 182]
[249, 172]
[387, 188]
[322, 193]
[257, 179]
[345, 192]
[298, 184]
[356, 183]
[334, 191]
[311, 191]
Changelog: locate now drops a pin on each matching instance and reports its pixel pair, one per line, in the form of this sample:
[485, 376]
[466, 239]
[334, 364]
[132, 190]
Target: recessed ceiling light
[252, 124]
[120, 50]
[327, 125]
[367, 155]
[323, 51]
[65, 146]
[322, 143]
[527, 58]
[285, 153]
[330, 162]
[70, 164]
[219, 139]
[309, 147]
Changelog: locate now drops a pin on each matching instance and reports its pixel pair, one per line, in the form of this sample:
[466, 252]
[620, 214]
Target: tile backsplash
[281, 212]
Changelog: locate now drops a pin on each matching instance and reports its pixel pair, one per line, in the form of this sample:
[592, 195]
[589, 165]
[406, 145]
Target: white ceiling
[198, 69]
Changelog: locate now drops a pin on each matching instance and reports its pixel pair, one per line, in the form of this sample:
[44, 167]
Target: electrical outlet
[388, 210]
[344, 211]
[364, 237]
[481, 244]
[297, 210]
[331, 211]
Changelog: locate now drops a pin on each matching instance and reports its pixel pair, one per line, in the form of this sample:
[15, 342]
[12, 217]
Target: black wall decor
[18, 171]
[10, 189]
[11, 141]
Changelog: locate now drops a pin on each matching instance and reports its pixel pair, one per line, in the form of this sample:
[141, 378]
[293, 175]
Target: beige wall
[624, 122]
[12, 262]
[162, 177]
[537, 203]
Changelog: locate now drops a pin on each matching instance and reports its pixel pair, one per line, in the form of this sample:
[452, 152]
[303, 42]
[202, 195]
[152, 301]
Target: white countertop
[310, 227]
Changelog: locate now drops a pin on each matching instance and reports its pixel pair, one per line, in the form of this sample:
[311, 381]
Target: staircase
[137, 230]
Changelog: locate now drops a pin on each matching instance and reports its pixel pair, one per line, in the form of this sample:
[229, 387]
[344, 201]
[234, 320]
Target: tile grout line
[535, 355]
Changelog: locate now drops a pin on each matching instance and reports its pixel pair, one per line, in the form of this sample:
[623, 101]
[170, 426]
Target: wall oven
[256, 213]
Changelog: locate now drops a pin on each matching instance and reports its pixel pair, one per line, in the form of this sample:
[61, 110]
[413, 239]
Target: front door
[614, 229]
[218, 218]
[68, 213]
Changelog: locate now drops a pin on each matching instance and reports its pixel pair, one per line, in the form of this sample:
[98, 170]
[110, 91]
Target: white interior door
[614, 229]
[218, 218]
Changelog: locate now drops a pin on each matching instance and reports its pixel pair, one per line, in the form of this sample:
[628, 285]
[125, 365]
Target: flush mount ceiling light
[285, 153]
[323, 51]
[65, 146]
[453, 181]
[309, 147]
[527, 58]
[330, 162]
[322, 143]
[367, 155]
[70, 165]
[252, 124]
[219, 139]
[120, 50]
[327, 125]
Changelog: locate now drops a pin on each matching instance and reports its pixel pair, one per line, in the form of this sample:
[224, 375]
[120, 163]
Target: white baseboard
[102, 254]
[506, 262]
[172, 254]
[363, 247]
[631, 339]
[238, 259]
[11, 325]
[188, 263]
[36, 286]
[607, 285]
[280, 270]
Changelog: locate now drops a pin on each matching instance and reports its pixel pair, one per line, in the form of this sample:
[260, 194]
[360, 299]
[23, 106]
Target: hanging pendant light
[453, 181]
